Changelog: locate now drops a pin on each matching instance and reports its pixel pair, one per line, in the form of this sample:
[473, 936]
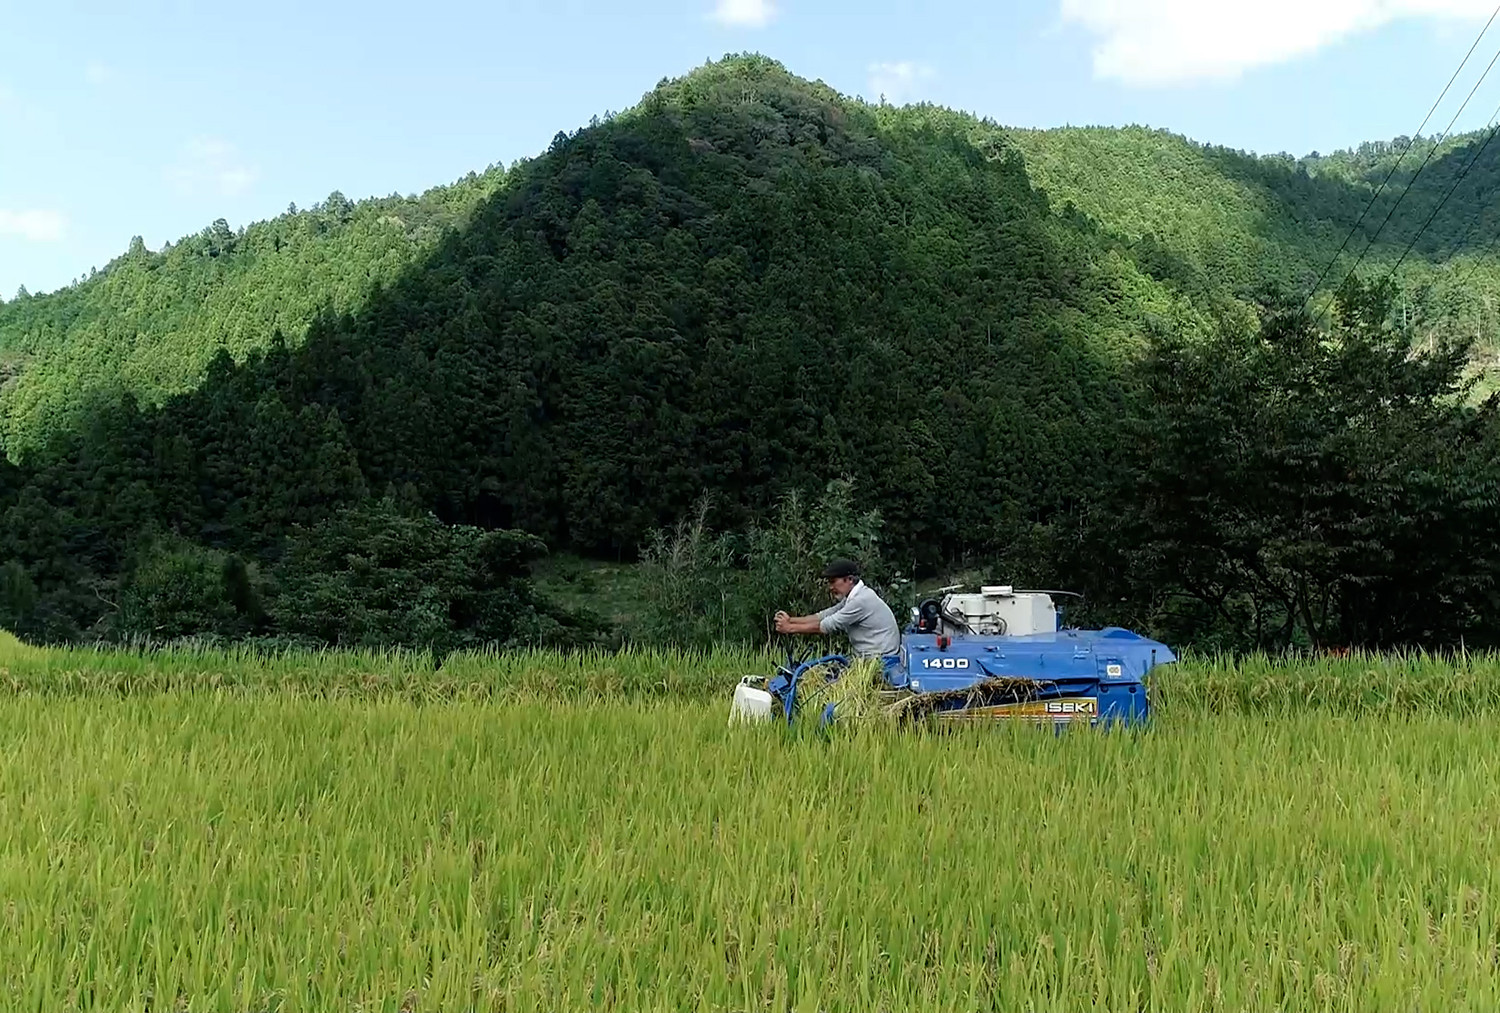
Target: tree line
[751, 288]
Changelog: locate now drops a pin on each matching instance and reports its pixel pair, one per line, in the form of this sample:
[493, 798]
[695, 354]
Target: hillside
[150, 322]
[1208, 222]
[674, 301]
[1242, 221]
[361, 423]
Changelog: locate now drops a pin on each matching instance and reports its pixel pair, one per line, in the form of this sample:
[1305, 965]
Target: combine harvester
[998, 655]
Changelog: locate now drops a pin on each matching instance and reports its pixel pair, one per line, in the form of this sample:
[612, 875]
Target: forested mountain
[369, 418]
[713, 290]
[1240, 222]
[1211, 222]
[150, 322]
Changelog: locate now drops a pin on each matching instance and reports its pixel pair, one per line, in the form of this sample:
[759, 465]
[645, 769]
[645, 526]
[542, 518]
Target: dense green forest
[361, 423]
[1417, 210]
[150, 322]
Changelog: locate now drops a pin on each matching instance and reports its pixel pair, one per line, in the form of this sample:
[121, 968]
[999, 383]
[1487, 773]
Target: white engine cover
[998, 611]
[751, 704]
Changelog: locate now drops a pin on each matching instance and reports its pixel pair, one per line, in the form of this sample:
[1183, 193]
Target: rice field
[207, 830]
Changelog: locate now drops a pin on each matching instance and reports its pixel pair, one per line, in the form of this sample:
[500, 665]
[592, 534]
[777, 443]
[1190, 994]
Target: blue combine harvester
[999, 654]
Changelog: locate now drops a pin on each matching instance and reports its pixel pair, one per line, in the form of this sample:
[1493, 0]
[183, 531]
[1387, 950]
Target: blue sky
[154, 117]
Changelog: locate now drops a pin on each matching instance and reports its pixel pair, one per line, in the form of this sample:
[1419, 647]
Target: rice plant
[638, 672]
[1358, 683]
[218, 850]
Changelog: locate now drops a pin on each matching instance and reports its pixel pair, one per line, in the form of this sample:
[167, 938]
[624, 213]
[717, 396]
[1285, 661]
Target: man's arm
[798, 624]
[812, 624]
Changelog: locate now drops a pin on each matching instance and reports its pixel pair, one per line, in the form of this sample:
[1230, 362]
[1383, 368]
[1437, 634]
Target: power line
[1462, 174]
[1462, 280]
[1412, 182]
[1376, 196]
[1475, 219]
[1489, 248]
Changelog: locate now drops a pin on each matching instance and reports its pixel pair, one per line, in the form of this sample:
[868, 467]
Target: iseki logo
[1071, 706]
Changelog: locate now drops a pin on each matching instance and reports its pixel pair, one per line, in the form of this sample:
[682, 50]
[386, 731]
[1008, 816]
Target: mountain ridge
[1227, 222]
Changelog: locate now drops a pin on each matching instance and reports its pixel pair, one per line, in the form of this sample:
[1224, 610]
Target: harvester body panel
[1061, 677]
[1036, 673]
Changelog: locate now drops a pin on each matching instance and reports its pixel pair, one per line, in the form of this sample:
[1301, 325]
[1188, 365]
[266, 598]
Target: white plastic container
[751, 704]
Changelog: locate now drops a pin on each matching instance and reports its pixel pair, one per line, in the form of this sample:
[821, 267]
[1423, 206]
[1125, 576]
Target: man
[858, 613]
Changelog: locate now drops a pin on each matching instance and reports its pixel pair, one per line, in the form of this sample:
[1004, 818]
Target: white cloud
[744, 13]
[897, 81]
[37, 226]
[214, 165]
[1154, 42]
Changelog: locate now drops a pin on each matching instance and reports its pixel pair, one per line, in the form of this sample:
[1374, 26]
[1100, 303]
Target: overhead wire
[1381, 189]
[1411, 182]
[1474, 266]
[1474, 220]
[1477, 262]
[1494, 128]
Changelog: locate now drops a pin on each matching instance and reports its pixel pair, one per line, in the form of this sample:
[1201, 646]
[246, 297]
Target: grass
[637, 673]
[614, 591]
[207, 831]
[296, 854]
[1370, 684]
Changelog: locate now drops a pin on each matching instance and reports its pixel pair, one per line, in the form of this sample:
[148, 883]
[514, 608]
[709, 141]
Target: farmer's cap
[841, 568]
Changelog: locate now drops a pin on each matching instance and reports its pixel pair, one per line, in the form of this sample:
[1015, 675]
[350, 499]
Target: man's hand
[797, 624]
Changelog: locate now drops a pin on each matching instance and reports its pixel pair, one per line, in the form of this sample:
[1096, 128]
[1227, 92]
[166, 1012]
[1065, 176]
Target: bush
[178, 589]
[18, 599]
[706, 588]
[692, 589]
[374, 577]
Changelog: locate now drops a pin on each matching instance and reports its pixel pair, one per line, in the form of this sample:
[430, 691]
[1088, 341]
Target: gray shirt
[869, 623]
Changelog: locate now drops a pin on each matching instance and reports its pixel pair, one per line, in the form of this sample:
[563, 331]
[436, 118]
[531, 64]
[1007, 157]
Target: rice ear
[860, 693]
